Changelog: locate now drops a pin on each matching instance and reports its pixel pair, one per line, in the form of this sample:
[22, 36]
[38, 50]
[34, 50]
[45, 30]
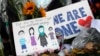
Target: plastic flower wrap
[42, 3]
[86, 36]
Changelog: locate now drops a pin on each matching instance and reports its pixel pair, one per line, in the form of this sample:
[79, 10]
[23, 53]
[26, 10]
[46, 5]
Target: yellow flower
[29, 8]
[43, 12]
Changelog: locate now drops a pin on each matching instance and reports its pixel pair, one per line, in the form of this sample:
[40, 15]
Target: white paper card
[34, 35]
[96, 24]
[70, 20]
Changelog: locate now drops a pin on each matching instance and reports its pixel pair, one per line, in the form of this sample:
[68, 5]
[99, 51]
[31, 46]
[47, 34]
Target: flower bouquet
[18, 10]
[25, 9]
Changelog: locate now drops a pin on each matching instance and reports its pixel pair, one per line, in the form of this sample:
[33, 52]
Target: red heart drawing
[85, 23]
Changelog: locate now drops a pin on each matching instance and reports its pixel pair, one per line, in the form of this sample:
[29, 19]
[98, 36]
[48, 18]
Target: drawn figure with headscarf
[42, 36]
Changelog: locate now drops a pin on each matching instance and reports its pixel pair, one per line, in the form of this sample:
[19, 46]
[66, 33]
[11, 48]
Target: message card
[35, 35]
[70, 20]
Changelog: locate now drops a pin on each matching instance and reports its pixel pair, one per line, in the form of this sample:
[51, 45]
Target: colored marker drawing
[22, 41]
[42, 36]
[51, 33]
[31, 32]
